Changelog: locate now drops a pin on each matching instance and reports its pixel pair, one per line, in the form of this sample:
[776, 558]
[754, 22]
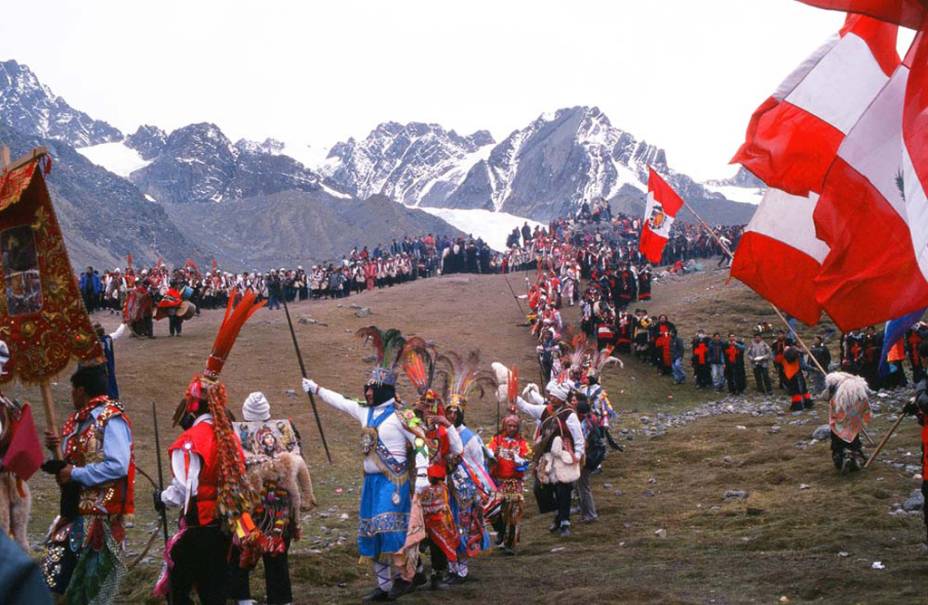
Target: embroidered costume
[82, 560]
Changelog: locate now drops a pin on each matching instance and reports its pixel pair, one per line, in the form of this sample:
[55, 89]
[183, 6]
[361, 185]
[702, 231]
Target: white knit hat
[256, 408]
[558, 390]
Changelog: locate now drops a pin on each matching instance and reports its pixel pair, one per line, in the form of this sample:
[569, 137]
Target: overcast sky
[682, 74]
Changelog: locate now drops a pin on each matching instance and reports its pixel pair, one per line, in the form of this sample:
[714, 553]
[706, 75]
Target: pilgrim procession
[505, 387]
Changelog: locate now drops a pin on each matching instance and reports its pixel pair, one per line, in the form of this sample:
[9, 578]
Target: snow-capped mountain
[541, 171]
[33, 109]
[742, 187]
[416, 163]
[148, 141]
[198, 163]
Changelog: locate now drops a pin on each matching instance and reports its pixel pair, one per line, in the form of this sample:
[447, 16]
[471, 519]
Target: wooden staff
[518, 302]
[48, 405]
[884, 440]
[299, 358]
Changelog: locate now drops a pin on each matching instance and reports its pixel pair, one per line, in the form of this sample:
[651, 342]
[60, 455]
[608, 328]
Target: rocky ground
[714, 500]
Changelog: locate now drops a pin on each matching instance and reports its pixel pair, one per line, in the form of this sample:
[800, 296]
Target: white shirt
[185, 465]
[572, 422]
[391, 431]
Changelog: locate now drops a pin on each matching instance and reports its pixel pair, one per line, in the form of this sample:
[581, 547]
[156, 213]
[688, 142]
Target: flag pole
[731, 257]
[779, 313]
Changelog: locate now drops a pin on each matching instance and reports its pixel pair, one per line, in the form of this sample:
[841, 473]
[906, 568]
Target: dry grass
[779, 541]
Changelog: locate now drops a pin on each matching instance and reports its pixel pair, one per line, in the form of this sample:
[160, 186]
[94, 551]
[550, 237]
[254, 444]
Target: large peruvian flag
[793, 136]
[909, 13]
[779, 255]
[662, 207]
[873, 211]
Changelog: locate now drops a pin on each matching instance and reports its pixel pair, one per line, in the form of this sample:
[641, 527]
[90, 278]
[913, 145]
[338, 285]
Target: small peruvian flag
[659, 214]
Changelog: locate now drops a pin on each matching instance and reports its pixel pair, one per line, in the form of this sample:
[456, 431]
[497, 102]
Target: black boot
[401, 587]
[377, 595]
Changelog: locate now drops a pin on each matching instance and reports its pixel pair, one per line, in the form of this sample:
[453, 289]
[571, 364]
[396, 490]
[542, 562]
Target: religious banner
[268, 438]
[42, 315]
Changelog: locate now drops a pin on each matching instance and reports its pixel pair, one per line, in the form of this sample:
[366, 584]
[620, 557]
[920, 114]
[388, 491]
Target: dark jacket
[716, 352]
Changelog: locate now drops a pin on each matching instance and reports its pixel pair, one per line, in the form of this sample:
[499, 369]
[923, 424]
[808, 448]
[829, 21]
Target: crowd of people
[435, 494]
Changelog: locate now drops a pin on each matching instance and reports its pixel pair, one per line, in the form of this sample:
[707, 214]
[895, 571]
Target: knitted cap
[256, 408]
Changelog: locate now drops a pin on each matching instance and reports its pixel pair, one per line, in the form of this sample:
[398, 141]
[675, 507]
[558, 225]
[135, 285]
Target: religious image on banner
[268, 438]
[42, 315]
[22, 283]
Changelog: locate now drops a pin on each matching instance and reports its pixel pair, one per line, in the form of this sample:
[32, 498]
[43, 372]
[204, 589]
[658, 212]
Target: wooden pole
[312, 399]
[513, 292]
[731, 256]
[884, 440]
[48, 405]
[772, 306]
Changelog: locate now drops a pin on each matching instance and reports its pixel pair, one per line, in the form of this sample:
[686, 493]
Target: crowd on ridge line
[148, 294]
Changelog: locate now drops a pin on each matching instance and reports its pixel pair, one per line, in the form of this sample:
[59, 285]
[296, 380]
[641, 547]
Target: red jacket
[200, 439]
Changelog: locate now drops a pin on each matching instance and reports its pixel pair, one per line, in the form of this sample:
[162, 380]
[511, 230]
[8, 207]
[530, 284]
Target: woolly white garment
[256, 408]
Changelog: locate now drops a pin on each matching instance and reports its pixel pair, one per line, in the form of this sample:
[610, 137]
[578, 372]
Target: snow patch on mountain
[493, 227]
[115, 157]
[414, 163]
[745, 195]
[32, 108]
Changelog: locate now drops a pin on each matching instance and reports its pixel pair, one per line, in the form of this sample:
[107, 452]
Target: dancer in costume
[209, 485]
[791, 372]
[278, 474]
[97, 479]
[389, 438]
[445, 449]
[511, 454]
[848, 414]
[559, 446]
[472, 486]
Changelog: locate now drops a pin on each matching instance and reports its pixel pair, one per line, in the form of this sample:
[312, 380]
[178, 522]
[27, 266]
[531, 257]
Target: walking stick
[48, 405]
[884, 440]
[312, 399]
[162, 513]
[518, 302]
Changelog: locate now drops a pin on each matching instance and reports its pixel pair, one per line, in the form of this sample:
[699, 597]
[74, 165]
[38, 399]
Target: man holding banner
[44, 323]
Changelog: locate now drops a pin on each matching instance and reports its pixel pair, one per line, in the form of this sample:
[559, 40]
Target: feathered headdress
[508, 384]
[419, 363]
[235, 497]
[600, 359]
[463, 375]
[580, 350]
[388, 348]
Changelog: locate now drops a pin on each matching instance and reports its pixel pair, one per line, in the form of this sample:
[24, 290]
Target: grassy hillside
[785, 538]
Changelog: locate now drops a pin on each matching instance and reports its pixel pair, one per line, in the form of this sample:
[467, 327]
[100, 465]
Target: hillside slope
[784, 537]
[297, 227]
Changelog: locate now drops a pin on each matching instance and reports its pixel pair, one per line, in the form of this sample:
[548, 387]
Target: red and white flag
[910, 13]
[793, 136]
[873, 212]
[779, 256]
[659, 214]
